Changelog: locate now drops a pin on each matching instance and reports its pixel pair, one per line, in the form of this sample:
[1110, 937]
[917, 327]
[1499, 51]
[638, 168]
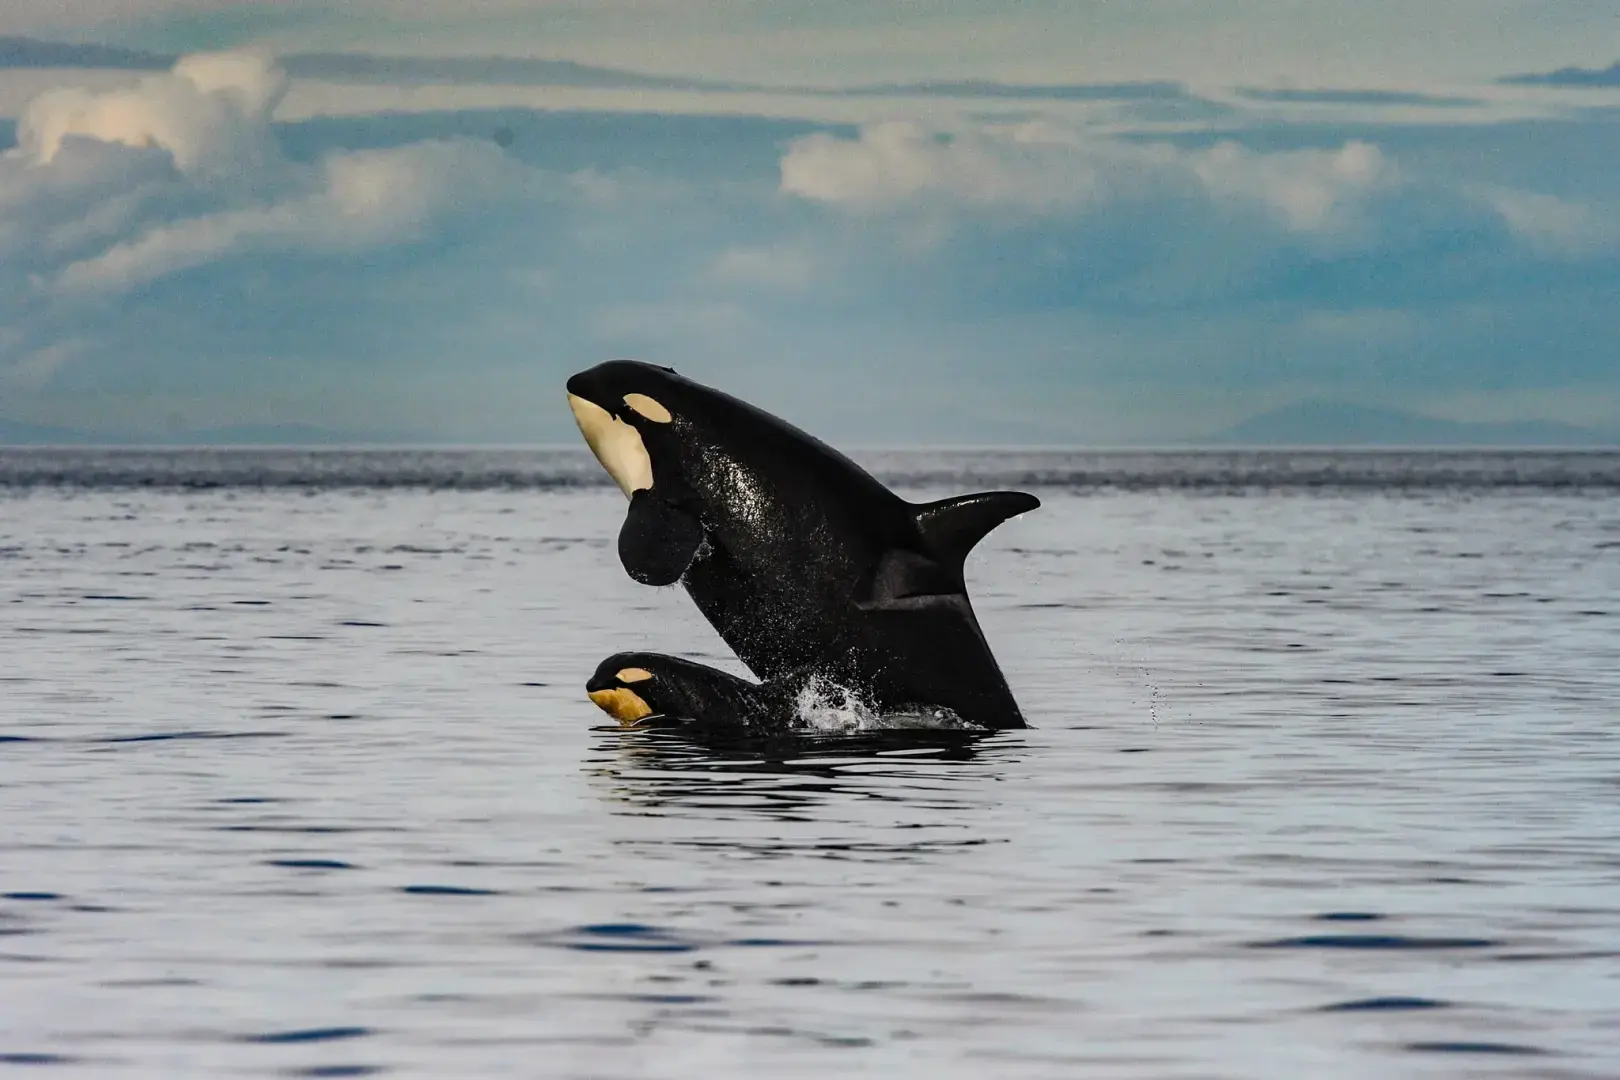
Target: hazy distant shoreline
[1311, 424]
[1210, 469]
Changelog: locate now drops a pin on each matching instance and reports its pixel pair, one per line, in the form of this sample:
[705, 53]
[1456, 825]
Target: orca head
[650, 426]
[634, 686]
[640, 421]
[620, 407]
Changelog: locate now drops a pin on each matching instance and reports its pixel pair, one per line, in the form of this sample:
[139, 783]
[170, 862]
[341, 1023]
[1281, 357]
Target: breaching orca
[798, 557]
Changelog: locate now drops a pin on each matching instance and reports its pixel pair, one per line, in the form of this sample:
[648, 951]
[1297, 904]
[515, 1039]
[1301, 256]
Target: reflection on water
[782, 753]
[302, 781]
[925, 783]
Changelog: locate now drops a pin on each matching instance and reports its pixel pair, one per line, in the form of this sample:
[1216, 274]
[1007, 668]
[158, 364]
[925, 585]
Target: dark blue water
[297, 778]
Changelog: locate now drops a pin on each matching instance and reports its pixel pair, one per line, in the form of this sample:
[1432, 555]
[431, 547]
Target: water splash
[827, 707]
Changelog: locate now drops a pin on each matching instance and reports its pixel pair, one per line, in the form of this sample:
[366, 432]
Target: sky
[935, 221]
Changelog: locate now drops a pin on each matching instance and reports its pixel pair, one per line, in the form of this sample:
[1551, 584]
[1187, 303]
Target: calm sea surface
[297, 778]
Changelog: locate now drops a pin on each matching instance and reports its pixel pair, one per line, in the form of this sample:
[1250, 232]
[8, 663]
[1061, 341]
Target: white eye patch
[648, 408]
[616, 444]
[632, 674]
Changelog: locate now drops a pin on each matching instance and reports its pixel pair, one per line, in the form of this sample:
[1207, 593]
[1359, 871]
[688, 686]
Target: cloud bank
[130, 185]
[211, 115]
[172, 249]
[1331, 204]
[1042, 168]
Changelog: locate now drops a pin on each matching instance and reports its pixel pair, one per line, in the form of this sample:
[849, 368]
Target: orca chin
[616, 444]
[623, 704]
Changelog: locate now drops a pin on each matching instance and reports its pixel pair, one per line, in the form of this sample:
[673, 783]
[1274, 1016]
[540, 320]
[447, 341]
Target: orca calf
[652, 690]
[644, 689]
[800, 559]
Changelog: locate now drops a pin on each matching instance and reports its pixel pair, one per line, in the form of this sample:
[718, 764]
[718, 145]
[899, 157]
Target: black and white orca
[644, 689]
[652, 690]
[800, 559]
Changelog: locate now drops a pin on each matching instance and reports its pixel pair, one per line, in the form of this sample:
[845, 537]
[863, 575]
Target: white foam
[827, 706]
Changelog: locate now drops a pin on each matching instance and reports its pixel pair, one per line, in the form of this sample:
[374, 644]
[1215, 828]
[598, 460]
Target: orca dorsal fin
[951, 527]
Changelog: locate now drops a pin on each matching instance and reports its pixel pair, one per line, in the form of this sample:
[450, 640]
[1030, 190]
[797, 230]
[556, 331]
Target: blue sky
[1037, 222]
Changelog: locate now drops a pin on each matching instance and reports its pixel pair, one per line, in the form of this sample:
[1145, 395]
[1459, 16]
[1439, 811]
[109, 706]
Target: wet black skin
[799, 558]
[682, 690]
[714, 712]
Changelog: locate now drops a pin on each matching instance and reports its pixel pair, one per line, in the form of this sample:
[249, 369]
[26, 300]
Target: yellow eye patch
[633, 674]
[648, 408]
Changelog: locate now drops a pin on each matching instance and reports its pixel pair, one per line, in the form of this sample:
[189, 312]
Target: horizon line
[1040, 448]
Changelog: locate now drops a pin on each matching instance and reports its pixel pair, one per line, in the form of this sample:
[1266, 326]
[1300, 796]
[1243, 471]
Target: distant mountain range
[13, 434]
[1569, 76]
[1311, 423]
[1326, 423]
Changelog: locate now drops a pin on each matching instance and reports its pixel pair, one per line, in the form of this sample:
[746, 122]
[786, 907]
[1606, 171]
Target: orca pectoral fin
[657, 540]
[951, 527]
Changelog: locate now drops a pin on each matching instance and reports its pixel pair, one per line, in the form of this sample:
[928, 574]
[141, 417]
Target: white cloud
[1558, 226]
[1070, 214]
[106, 191]
[211, 114]
[898, 161]
[1042, 167]
[1305, 187]
[359, 199]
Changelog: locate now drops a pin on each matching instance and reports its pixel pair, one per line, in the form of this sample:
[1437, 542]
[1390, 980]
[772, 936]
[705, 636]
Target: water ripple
[309, 1035]
[1447, 1047]
[1385, 1004]
[1334, 792]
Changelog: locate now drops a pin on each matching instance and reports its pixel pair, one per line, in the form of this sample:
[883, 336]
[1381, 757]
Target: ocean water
[298, 778]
